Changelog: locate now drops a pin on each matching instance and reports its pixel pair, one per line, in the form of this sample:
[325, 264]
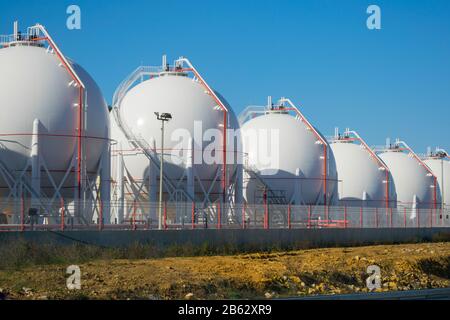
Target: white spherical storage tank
[363, 181]
[286, 155]
[189, 106]
[39, 121]
[440, 166]
[193, 139]
[414, 185]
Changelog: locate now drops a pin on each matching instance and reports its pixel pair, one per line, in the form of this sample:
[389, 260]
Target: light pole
[164, 117]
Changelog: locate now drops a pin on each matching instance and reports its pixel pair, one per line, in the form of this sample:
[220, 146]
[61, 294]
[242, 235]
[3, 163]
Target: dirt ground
[304, 272]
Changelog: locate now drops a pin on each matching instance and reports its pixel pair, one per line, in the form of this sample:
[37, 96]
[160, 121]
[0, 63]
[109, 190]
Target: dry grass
[330, 271]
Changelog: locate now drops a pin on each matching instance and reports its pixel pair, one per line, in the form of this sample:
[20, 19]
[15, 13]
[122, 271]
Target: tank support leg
[364, 199]
[414, 208]
[297, 188]
[35, 166]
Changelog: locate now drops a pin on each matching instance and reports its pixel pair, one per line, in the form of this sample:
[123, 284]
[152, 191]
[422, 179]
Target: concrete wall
[241, 239]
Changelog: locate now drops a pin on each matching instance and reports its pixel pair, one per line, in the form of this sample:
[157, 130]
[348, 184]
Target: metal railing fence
[19, 215]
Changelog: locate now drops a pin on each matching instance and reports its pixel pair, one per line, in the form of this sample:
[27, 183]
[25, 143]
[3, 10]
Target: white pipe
[364, 198]
[190, 169]
[35, 165]
[415, 204]
[269, 102]
[164, 62]
[16, 30]
[297, 188]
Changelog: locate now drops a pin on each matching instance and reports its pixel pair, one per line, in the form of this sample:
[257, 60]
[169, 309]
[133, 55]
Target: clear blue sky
[392, 82]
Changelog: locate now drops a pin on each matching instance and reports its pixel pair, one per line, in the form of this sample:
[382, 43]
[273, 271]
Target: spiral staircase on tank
[138, 142]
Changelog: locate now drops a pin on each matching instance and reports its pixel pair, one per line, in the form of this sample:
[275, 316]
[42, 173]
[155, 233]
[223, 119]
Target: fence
[19, 216]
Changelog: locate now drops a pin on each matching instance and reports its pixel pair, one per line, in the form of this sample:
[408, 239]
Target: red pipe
[381, 163]
[80, 112]
[428, 170]
[325, 146]
[225, 116]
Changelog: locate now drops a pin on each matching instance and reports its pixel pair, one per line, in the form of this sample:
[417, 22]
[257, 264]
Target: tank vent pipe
[16, 30]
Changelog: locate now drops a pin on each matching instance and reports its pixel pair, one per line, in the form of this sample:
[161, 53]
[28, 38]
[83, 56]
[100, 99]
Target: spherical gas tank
[441, 169]
[413, 183]
[35, 86]
[362, 182]
[282, 151]
[197, 121]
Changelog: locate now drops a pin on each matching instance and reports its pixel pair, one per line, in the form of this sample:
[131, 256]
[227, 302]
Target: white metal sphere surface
[34, 85]
[441, 169]
[359, 173]
[193, 111]
[295, 148]
[410, 179]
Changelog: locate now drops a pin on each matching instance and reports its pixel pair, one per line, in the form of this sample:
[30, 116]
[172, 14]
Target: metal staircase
[271, 194]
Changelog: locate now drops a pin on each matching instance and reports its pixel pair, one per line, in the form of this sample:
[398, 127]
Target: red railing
[219, 216]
